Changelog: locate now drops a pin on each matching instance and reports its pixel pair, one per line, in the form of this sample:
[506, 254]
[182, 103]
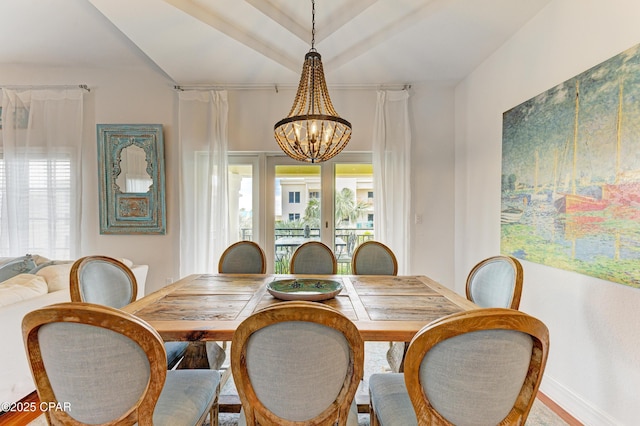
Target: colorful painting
[571, 174]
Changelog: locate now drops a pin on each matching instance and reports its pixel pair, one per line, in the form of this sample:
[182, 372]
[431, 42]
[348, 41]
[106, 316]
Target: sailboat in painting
[573, 152]
[574, 202]
[625, 191]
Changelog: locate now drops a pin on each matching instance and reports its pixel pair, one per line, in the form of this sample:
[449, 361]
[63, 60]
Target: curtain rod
[50, 86]
[276, 87]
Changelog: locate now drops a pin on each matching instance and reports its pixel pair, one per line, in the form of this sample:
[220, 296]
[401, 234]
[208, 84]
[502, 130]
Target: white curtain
[204, 219]
[40, 173]
[391, 182]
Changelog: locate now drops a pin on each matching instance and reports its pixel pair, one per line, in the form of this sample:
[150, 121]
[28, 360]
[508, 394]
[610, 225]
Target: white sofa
[15, 376]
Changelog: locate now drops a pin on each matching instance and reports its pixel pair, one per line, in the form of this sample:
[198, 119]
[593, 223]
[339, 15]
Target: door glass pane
[241, 202]
[353, 206]
[297, 210]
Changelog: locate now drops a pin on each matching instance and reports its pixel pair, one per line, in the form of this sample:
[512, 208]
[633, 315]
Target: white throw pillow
[127, 262]
[57, 276]
[22, 287]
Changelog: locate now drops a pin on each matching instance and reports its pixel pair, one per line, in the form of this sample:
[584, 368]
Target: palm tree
[312, 213]
[347, 209]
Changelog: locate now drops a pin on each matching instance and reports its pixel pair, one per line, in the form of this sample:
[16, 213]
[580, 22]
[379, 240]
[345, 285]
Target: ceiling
[263, 42]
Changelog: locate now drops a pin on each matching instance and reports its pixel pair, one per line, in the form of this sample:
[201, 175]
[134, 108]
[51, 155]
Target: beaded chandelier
[312, 132]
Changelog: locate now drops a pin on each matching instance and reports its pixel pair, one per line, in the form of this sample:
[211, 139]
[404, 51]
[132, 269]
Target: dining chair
[107, 281]
[374, 258]
[496, 282]
[313, 257]
[478, 367]
[296, 363]
[101, 365]
[243, 257]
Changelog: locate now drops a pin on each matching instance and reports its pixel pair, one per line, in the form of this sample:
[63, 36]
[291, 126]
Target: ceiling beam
[215, 21]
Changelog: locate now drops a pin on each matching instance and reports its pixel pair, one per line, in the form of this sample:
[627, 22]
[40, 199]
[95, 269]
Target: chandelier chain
[313, 24]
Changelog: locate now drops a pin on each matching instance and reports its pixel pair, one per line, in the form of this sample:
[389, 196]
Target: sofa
[27, 283]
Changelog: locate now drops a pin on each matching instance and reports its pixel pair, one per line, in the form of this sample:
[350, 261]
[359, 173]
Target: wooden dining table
[209, 307]
[204, 307]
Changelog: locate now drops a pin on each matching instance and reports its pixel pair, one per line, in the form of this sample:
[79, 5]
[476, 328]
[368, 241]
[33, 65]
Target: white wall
[594, 365]
[142, 94]
[138, 94]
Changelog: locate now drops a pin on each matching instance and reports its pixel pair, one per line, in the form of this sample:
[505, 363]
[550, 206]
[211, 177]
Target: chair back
[102, 280]
[313, 257]
[243, 257]
[374, 258]
[496, 282]
[297, 362]
[97, 363]
[476, 367]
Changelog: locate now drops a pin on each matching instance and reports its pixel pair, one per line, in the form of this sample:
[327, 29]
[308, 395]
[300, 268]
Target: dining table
[201, 307]
[209, 307]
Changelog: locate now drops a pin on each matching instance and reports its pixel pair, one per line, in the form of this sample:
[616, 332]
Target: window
[370, 195]
[47, 203]
[294, 216]
[294, 197]
[314, 194]
[243, 192]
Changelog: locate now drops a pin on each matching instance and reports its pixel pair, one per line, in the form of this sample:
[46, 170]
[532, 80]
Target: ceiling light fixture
[313, 131]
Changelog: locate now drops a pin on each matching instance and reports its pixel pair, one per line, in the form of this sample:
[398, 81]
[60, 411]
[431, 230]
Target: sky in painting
[545, 124]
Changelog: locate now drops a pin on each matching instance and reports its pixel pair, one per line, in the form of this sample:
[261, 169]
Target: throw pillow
[49, 263]
[18, 265]
[57, 276]
[127, 262]
[21, 287]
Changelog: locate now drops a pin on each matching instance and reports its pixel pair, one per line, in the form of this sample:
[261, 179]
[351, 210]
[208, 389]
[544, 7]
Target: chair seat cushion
[390, 400]
[185, 397]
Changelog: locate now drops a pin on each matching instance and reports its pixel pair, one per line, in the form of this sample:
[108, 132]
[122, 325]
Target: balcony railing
[347, 239]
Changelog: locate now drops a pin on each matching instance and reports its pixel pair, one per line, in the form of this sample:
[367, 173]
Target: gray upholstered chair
[243, 257]
[479, 367]
[107, 281]
[313, 257]
[496, 282]
[297, 363]
[374, 258]
[102, 365]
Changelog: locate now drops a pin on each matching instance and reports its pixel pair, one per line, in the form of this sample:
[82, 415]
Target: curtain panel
[40, 172]
[391, 154]
[204, 218]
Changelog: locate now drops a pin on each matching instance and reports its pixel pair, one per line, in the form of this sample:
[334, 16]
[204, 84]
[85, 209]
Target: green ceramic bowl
[313, 289]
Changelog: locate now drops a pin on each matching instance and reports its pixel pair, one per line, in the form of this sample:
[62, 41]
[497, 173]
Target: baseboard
[574, 405]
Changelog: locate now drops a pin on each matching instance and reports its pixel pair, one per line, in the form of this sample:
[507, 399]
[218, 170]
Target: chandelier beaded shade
[313, 131]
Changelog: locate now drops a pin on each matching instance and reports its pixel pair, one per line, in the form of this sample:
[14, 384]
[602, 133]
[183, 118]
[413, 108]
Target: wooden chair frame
[311, 244]
[519, 275]
[78, 265]
[254, 409]
[466, 322]
[244, 242]
[120, 322]
[99, 316]
[354, 268]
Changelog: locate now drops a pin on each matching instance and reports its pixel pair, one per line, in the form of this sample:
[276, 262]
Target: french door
[331, 202]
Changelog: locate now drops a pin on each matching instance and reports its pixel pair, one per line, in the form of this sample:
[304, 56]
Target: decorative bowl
[314, 289]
